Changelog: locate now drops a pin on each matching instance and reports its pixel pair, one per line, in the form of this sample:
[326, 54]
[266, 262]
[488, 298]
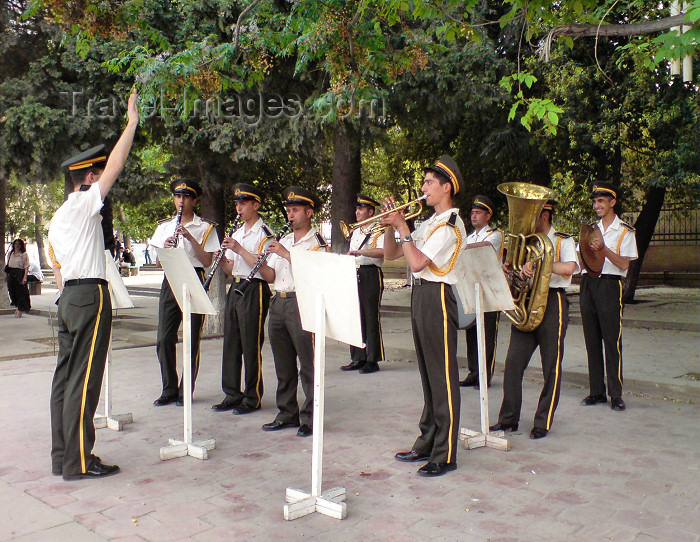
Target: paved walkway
[599, 475]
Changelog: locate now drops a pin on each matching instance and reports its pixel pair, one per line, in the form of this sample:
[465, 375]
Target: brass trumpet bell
[373, 224]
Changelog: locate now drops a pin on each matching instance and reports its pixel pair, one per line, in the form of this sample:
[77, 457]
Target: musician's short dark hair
[78, 175]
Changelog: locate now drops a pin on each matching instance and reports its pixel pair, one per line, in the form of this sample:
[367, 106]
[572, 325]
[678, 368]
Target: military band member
[601, 299]
[244, 315]
[288, 340]
[77, 251]
[369, 256]
[198, 238]
[549, 336]
[431, 252]
[483, 235]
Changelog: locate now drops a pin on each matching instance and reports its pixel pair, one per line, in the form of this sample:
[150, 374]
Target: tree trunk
[212, 206]
[644, 226]
[126, 242]
[4, 297]
[39, 236]
[347, 181]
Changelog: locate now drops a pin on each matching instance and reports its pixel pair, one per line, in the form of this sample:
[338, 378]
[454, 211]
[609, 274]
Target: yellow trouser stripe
[379, 316]
[556, 375]
[81, 433]
[257, 384]
[447, 370]
[619, 340]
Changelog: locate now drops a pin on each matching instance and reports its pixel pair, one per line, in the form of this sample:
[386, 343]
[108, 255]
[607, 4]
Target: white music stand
[326, 286]
[191, 297]
[482, 287]
[120, 300]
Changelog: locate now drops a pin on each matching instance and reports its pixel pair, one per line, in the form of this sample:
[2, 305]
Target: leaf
[553, 117]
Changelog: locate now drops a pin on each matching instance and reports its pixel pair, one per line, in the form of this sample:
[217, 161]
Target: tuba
[525, 203]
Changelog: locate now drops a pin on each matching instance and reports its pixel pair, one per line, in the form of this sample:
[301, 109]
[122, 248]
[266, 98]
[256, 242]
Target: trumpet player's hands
[396, 219]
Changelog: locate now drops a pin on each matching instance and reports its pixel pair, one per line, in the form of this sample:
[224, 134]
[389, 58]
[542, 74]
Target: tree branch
[633, 29]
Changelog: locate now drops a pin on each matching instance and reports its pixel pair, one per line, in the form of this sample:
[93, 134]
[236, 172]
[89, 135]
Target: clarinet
[178, 219]
[240, 290]
[220, 255]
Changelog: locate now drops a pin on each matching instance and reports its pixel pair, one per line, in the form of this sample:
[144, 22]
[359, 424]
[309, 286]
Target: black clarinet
[240, 289]
[178, 219]
[220, 255]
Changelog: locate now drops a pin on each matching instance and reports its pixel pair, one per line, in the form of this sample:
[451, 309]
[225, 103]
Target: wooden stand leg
[115, 422]
[332, 502]
[474, 439]
[181, 448]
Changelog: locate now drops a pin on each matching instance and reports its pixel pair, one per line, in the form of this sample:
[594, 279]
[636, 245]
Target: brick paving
[599, 475]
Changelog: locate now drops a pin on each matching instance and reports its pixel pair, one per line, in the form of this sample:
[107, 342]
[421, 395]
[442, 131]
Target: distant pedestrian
[147, 255]
[16, 271]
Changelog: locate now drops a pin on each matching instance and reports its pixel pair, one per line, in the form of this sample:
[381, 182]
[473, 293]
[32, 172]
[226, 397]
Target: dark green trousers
[601, 316]
[549, 336]
[370, 285]
[169, 320]
[434, 322]
[244, 333]
[289, 342]
[84, 327]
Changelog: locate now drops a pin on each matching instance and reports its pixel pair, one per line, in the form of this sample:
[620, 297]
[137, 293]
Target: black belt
[606, 277]
[286, 295]
[242, 279]
[560, 290]
[80, 282]
[368, 266]
[419, 282]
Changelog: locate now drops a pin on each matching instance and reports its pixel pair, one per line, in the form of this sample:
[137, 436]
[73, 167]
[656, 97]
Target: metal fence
[675, 226]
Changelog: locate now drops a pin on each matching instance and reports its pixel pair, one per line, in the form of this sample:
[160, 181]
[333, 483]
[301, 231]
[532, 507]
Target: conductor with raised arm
[431, 252]
[77, 252]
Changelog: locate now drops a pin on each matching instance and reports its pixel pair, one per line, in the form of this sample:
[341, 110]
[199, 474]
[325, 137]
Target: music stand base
[115, 422]
[179, 448]
[329, 503]
[493, 439]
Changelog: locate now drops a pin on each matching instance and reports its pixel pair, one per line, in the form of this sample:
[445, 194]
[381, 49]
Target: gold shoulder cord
[431, 266]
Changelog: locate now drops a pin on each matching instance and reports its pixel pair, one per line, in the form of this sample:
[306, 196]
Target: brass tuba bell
[525, 203]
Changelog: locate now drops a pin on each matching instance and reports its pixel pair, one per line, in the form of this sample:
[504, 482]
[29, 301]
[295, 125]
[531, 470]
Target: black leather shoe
[594, 400]
[538, 432]
[278, 424]
[617, 404]
[96, 470]
[436, 469]
[471, 380]
[500, 426]
[410, 457]
[370, 367]
[353, 366]
[305, 431]
[244, 409]
[165, 400]
[225, 405]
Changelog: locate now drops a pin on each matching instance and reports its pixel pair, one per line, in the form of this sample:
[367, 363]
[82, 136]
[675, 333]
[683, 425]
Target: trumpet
[373, 224]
